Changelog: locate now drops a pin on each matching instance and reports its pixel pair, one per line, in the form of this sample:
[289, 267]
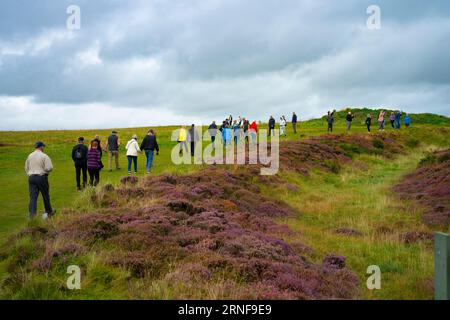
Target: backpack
[79, 153]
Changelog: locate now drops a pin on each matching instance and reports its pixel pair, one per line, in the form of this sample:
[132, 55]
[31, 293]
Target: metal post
[441, 266]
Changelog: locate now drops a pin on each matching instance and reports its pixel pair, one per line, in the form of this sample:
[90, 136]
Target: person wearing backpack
[79, 157]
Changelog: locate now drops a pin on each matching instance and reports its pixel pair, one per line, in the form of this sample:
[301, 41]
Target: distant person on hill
[182, 137]
[193, 139]
[79, 157]
[392, 120]
[349, 120]
[236, 131]
[212, 130]
[245, 127]
[398, 117]
[283, 126]
[253, 131]
[226, 135]
[368, 121]
[294, 122]
[38, 166]
[149, 145]
[330, 121]
[381, 120]
[112, 145]
[97, 138]
[94, 164]
[407, 120]
[271, 126]
[132, 153]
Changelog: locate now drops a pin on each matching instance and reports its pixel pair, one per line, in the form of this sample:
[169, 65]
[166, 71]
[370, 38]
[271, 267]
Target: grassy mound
[430, 186]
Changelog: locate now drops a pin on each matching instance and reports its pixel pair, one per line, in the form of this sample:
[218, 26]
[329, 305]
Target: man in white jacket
[132, 153]
[38, 166]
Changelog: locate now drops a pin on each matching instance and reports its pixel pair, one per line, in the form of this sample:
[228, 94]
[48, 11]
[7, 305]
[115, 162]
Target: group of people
[394, 118]
[89, 159]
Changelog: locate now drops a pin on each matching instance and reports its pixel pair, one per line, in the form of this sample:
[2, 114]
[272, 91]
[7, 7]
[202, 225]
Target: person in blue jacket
[407, 120]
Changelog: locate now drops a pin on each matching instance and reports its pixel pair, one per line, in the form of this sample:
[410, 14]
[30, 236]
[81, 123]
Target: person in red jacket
[253, 131]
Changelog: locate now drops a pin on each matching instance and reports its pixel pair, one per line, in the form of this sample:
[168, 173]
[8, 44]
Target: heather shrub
[378, 143]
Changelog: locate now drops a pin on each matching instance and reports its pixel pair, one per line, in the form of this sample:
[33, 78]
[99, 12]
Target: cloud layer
[171, 62]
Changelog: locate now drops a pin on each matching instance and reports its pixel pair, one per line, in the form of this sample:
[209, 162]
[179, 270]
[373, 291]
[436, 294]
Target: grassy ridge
[355, 198]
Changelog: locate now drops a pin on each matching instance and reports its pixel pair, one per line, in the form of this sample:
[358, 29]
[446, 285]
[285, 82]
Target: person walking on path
[245, 127]
[193, 139]
[94, 163]
[392, 120]
[381, 120]
[407, 120]
[149, 145]
[294, 122]
[398, 116]
[236, 132]
[212, 129]
[38, 166]
[283, 126]
[79, 157]
[182, 136]
[112, 145]
[368, 121]
[271, 125]
[330, 121]
[253, 131]
[349, 120]
[133, 149]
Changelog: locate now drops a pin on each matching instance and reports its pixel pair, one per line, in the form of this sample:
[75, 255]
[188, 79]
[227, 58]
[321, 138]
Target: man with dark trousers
[294, 122]
[38, 166]
[271, 125]
[79, 157]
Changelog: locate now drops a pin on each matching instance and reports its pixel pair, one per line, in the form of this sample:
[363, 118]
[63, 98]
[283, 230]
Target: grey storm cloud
[202, 60]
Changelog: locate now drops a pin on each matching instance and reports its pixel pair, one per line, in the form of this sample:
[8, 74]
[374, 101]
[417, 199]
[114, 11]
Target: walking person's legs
[44, 188]
[135, 164]
[84, 170]
[96, 177]
[150, 155]
[294, 126]
[77, 176]
[192, 148]
[34, 193]
[91, 177]
[129, 164]
[110, 156]
[116, 155]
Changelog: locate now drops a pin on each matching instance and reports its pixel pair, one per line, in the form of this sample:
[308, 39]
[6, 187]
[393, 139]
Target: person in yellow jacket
[182, 139]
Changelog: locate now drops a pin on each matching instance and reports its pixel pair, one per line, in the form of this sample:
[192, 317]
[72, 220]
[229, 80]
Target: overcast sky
[146, 63]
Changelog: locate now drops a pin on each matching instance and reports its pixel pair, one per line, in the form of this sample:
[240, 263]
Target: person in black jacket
[149, 145]
[79, 156]
[294, 122]
[349, 119]
[193, 138]
[271, 125]
[212, 129]
[368, 121]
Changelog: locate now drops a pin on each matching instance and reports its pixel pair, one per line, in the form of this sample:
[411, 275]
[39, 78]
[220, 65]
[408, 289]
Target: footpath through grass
[361, 199]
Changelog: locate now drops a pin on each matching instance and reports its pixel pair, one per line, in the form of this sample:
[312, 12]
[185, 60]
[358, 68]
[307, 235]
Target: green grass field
[357, 197]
